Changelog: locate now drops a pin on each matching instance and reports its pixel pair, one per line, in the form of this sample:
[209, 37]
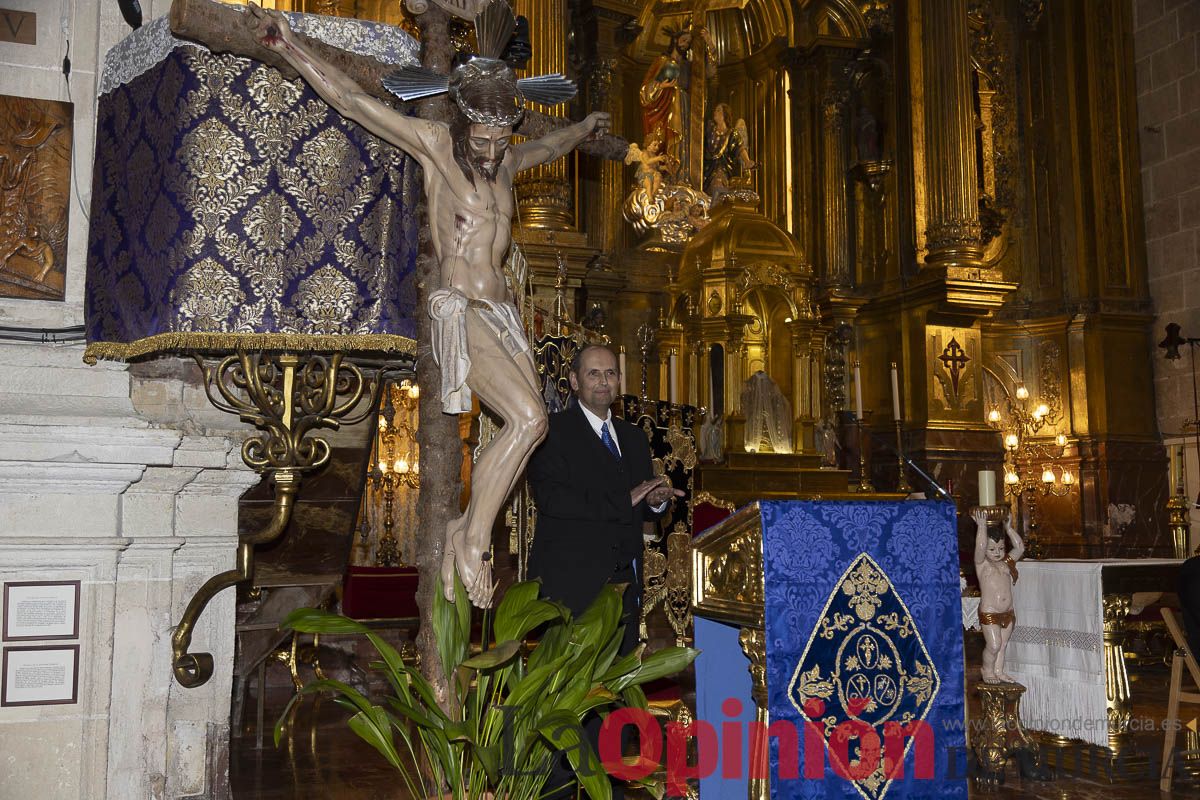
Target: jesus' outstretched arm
[412, 135]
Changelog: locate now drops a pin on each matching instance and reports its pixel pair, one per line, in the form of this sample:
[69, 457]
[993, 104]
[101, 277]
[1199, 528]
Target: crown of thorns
[484, 87]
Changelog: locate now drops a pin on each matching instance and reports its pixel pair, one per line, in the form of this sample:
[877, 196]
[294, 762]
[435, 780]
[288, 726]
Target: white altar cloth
[1057, 647]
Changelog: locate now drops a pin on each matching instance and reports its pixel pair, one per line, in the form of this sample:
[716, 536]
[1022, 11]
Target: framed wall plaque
[40, 675]
[41, 610]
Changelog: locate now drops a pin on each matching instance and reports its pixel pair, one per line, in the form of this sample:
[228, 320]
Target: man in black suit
[1189, 600]
[594, 485]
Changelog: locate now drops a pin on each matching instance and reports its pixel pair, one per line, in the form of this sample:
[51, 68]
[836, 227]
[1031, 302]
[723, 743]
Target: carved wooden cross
[954, 359]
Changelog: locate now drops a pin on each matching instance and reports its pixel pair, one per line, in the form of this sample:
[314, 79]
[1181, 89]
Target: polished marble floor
[321, 758]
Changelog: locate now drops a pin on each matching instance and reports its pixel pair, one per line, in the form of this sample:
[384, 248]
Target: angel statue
[727, 152]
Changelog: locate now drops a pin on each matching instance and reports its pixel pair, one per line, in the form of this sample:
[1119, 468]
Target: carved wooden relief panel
[35, 192]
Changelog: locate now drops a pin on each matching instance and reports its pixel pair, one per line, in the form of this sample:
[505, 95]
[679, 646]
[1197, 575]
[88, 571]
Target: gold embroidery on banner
[246, 250]
[869, 679]
[865, 585]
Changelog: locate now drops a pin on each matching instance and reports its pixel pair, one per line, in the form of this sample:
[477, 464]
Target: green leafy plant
[509, 713]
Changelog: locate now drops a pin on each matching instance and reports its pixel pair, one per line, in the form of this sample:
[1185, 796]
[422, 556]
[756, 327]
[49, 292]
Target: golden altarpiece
[820, 189]
[952, 187]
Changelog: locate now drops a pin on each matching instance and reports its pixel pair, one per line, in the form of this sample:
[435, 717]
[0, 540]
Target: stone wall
[1167, 50]
[124, 483]
[1166, 41]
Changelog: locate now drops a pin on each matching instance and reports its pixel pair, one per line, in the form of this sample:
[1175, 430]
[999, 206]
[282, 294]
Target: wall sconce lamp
[1172, 344]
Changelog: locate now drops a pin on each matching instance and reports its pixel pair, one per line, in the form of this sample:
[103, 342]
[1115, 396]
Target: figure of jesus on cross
[469, 167]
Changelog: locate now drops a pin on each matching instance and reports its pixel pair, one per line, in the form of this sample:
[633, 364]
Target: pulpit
[849, 616]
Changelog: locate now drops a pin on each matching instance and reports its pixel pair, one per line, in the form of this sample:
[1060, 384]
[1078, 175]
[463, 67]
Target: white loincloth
[448, 308]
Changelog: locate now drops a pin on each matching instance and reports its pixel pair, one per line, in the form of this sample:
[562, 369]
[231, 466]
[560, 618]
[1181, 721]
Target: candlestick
[987, 487]
[902, 484]
[858, 406]
[693, 378]
[864, 480]
[1176, 470]
[895, 393]
[621, 367]
[674, 377]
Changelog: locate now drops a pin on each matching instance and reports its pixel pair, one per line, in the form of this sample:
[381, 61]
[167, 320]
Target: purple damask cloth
[234, 208]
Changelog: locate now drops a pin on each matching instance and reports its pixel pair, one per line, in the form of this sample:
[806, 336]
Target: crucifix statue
[469, 166]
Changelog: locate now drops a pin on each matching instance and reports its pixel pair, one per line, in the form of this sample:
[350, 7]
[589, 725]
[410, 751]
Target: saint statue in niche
[768, 416]
[664, 97]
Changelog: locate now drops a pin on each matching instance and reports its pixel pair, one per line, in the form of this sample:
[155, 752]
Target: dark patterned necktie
[608, 441]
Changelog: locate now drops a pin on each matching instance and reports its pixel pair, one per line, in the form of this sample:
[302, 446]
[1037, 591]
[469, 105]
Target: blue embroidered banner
[864, 649]
[234, 208]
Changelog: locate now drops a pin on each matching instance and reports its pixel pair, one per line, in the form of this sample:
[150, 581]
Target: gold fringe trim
[303, 342]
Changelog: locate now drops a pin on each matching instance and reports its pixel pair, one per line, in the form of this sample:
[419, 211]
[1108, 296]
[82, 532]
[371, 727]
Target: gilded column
[836, 236]
[604, 218]
[952, 231]
[801, 393]
[544, 194]
[754, 647]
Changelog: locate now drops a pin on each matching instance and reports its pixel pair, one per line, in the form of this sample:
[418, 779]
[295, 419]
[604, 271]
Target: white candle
[674, 376]
[1181, 457]
[1176, 468]
[858, 408]
[895, 393]
[987, 487]
[693, 379]
[621, 368]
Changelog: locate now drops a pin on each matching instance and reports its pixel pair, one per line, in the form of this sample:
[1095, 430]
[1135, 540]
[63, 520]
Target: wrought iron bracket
[288, 397]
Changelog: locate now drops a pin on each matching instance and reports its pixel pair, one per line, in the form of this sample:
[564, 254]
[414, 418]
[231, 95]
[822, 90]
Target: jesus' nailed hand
[478, 340]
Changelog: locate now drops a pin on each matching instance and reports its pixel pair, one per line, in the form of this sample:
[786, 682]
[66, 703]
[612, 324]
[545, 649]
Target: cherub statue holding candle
[997, 573]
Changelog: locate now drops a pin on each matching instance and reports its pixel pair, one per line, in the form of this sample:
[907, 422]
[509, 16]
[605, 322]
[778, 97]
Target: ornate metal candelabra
[397, 462]
[1031, 465]
[645, 337]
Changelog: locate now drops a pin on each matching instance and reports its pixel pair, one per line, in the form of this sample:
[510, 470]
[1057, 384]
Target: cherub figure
[996, 573]
[649, 172]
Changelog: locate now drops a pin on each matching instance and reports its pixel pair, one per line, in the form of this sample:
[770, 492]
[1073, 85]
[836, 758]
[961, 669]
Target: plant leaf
[375, 729]
[551, 646]
[634, 697]
[531, 689]
[498, 655]
[658, 664]
[417, 715]
[563, 732]
[630, 663]
[447, 632]
[489, 758]
[459, 732]
[314, 620]
[520, 611]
